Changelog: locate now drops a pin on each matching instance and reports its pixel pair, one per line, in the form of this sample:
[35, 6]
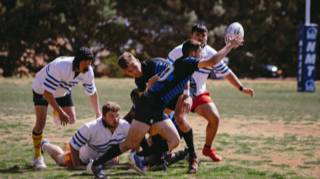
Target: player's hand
[64, 118]
[248, 91]
[236, 41]
[186, 103]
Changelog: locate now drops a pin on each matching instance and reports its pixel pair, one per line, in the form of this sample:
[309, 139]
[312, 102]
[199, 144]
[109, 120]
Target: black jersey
[149, 69]
[173, 80]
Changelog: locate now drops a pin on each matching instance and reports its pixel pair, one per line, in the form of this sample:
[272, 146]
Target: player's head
[110, 113]
[199, 32]
[191, 48]
[83, 58]
[130, 65]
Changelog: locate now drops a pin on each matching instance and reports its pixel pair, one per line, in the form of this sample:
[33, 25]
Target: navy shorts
[39, 100]
[149, 111]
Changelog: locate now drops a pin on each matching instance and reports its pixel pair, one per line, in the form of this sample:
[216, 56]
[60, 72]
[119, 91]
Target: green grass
[274, 101]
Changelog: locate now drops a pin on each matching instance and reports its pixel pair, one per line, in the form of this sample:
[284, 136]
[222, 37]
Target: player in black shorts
[150, 106]
[143, 72]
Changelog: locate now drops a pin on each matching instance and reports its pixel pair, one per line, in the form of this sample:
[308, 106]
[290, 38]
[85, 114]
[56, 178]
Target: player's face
[134, 69]
[84, 65]
[112, 118]
[201, 37]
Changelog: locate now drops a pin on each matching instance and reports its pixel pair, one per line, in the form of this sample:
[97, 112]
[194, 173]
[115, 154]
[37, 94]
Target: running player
[143, 73]
[92, 139]
[52, 85]
[203, 105]
[150, 106]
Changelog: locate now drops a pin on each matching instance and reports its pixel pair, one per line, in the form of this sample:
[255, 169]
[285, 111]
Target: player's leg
[40, 107]
[187, 133]
[210, 112]
[55, 152]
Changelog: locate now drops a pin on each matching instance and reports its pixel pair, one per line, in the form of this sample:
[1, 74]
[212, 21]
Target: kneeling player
[92, 139]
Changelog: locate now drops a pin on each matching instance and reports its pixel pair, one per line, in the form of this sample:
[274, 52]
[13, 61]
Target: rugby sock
[111, 153]
[37, 138]
[145, 148]
[158, 148]
[188, 137]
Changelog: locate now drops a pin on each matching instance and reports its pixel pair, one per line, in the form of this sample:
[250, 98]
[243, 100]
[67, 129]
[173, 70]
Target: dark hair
[110, 106]
[125, 59]
[199, 27]
[189, 46]
[82, 53]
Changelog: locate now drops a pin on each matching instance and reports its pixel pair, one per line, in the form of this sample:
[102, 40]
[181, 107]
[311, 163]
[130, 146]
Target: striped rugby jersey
[57, 77]
[199, 77]
[173, 80]
[93, 138]
[149, 69]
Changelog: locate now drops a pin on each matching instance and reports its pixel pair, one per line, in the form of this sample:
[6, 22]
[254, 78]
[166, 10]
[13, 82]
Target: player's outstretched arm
[233, 43]
[234, 81]
[95, 104]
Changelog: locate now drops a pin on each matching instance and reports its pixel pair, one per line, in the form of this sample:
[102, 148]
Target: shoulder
[93, 124]
[175, 53]
[123, 123]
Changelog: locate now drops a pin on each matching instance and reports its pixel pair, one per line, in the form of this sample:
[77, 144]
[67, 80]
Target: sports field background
[276, 134]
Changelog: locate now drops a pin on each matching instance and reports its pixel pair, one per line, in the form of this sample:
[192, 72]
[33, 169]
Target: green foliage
[151, 28]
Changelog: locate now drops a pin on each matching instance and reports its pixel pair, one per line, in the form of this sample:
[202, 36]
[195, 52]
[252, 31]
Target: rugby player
[52, 85]
[92, 139]
[202, 104]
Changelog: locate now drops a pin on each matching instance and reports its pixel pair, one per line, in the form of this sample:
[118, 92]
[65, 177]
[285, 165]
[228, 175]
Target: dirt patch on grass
[274, 157]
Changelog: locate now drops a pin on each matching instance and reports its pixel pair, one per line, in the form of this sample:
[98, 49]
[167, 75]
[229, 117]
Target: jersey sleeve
[190, 64]
[88, 83]
[221, 69]
[80, 138]
[175, 54]
[52, 78]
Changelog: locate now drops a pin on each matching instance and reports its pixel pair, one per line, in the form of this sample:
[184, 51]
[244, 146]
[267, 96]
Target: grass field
[276, 134]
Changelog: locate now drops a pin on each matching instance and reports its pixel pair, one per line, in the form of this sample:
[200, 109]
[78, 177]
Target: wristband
[241, 88]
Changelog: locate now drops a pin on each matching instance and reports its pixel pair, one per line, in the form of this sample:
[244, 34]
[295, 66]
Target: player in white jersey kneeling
[91, 140]
[52, 85]
[202, 102]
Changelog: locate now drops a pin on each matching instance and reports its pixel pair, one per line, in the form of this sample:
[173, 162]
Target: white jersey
[201, 75]
[93, 139]
[57, 77]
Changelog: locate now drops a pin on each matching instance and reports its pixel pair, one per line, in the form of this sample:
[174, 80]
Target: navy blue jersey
[173, 80]
[149, 69]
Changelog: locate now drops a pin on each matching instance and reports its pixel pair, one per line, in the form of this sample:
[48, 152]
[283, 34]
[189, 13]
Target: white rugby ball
[233, 30]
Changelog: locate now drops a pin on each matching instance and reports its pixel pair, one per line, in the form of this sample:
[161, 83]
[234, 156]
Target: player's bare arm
[234, 81]
[76, 163]
[64, 118]
[233, 43]
[95, 104]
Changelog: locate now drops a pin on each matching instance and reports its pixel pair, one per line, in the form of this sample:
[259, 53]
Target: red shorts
[203, 98]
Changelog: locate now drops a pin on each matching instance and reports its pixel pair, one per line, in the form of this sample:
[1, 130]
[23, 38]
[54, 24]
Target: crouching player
[92, 139]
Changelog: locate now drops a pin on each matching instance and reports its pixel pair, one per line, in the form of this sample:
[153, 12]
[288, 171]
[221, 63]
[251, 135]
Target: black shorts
[172, 104]
[149, 111]
[39, 100]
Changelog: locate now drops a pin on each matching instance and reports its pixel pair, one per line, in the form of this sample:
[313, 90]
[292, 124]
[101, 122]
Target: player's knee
[173, 142]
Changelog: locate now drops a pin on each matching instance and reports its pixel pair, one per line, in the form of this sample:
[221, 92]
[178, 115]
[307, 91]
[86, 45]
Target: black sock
[158, 148]
[112, 152]
[188, 138]
[207, 146]
[145, 148]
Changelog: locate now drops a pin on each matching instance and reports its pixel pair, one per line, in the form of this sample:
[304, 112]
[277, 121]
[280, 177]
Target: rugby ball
[233, 30]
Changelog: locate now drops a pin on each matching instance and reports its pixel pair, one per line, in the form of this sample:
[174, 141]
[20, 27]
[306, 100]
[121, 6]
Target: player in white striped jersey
[202, 102]
[92, 139]
[52, 85]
